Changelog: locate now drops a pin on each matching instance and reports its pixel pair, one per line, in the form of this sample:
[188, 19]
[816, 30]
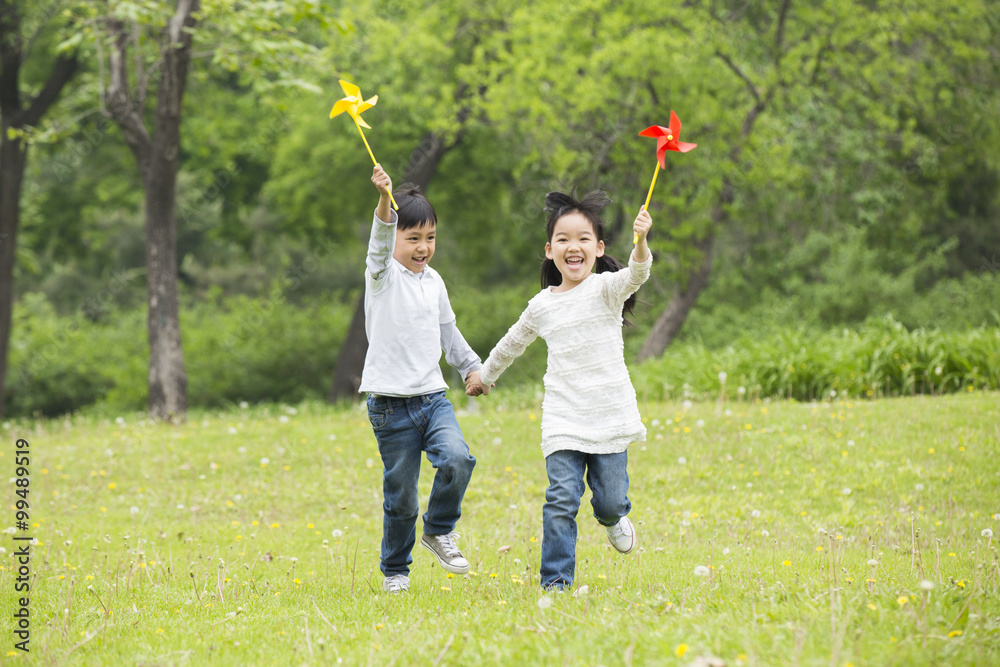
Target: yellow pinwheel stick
[354, 104]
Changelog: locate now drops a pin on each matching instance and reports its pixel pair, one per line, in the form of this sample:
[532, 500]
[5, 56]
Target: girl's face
[574, 248]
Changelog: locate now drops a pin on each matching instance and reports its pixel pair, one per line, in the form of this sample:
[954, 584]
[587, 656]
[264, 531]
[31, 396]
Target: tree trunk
[14, 154]
[669, 324]
[158, 158]
[420, 170]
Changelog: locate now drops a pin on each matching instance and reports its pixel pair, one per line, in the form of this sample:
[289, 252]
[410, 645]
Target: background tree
[21, 111]
[255, 28]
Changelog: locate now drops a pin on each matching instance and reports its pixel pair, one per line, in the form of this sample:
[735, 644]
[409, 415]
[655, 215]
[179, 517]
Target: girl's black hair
[558, 204]
[414, 209]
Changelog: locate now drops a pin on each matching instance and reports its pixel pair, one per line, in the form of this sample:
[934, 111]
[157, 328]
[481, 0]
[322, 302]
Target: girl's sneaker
[622, 535]
[447, 554]
[397, 583]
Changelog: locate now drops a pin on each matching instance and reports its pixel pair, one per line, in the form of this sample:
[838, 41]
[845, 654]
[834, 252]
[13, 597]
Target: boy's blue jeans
[405, 428]
[608, 480]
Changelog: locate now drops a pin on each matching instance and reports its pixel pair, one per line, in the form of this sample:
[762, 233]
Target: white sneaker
[447, 554]
[397, 583]
[622, 535]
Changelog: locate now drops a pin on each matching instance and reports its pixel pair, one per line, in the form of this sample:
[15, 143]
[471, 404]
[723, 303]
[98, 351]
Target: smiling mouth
[420, 260]
[574, 262]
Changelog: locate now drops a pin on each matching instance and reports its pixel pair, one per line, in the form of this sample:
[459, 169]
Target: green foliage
[883, 358]
[246, 349]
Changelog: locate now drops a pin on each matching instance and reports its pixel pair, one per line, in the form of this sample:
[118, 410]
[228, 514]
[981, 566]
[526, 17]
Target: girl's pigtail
[550, 274]
[607, 263]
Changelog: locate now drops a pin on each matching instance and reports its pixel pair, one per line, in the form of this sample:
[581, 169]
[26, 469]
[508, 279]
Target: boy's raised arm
[383, 235]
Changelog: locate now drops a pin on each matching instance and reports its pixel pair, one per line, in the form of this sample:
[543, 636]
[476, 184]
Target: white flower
[833, 393]
[686, 405]
[873, 562]
[581, 591]
[919, 487]
[264, 460]
[850, 443]
[120, 421]
[986, 532]
[722, 377]
[544, 602]
[764, 533]
[283, 419]
[656, 422]
[244, 405]
[927, 585]
[337, 533]
[741, 390]
[701, 571]
[681, 460]
[996, 517]
[133, 510]
[846, 492]
[725, 552]
[938, 370]
[700, 423]
[755, 514]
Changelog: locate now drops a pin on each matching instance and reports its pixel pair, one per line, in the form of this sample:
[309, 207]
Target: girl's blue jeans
[406, 428]
[608, 480]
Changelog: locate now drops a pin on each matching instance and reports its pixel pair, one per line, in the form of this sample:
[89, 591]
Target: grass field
[771, 533]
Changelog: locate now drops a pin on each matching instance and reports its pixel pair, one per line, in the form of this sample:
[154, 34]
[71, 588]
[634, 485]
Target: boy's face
[415, 246]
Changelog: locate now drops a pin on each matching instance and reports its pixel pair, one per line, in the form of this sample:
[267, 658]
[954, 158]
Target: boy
[409, 320]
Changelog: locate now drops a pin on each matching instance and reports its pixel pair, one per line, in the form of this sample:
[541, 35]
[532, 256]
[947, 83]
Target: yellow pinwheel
[355, 104]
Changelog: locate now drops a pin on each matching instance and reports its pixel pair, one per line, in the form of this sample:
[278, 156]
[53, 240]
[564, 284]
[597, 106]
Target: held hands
[474, 386]
[641, 226]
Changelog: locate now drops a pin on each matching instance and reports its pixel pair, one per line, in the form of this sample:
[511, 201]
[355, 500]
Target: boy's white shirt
[409, 321]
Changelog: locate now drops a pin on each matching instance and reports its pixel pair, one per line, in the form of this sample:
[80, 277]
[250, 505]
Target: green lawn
[833, 533]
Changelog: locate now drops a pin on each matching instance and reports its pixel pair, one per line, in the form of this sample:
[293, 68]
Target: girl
[589, 414]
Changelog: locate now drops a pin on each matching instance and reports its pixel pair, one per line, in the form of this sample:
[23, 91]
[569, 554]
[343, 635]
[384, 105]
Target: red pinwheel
[667, 139]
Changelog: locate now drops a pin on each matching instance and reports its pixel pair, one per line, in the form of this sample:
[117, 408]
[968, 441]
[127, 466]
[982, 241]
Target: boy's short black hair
[414, 209]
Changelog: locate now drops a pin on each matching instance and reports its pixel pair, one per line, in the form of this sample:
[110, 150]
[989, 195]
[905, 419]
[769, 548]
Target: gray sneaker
[397, 583]
[622, 535]
[447, 554]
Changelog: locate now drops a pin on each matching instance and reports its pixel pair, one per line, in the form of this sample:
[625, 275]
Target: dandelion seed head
[873, 562]
[722, 377]
[681, 460]
[337, 533]
[544, 602]
[927, 585]
[232, 430]
[987, 532]
[755, 514]
[701, 571]
[741, 390]
[283, 419]
[846, 492]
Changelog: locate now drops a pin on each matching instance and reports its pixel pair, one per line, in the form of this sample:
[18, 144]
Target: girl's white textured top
[589, 403]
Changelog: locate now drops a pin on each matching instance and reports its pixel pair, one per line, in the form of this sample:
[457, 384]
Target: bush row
[261, 350]
[882, 358]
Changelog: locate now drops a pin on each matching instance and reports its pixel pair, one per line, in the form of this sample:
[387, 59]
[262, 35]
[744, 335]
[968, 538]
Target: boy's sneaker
[397, 583]
[447, 554]
[622, 535]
